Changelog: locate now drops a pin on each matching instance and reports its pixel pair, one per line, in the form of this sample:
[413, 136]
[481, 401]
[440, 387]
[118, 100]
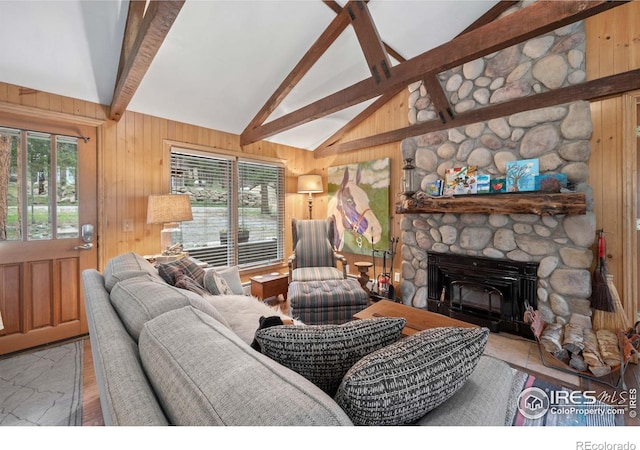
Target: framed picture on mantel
[521, 175]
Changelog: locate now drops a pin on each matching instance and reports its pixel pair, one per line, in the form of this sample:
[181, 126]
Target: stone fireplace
[560, 246]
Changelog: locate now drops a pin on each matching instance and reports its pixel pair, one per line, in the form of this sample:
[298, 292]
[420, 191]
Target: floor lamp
[169, 209]
[310, 184]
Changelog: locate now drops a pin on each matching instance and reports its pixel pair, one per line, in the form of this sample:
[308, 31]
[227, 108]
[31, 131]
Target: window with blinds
[238, 208]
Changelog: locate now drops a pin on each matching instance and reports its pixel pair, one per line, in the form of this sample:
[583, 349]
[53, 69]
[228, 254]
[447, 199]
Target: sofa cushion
[242, 313]
[215, 284]
[400, 383]
[187, 265]
[483, 400]
[324, 353]
[204, 374]
[138, 300]
[125, 266]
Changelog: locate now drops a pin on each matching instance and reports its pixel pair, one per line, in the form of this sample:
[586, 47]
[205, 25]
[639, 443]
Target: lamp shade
[309, 184]
[169, 208]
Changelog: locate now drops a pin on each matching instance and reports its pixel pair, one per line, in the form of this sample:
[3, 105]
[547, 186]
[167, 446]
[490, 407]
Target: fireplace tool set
[382, 285]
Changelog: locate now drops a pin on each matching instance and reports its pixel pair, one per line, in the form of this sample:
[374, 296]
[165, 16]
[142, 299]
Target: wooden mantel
[540, 203]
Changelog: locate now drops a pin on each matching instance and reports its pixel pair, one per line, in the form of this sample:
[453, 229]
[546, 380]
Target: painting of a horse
[359, 203]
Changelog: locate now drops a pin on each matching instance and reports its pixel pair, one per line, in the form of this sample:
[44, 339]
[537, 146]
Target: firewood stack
[582, 348]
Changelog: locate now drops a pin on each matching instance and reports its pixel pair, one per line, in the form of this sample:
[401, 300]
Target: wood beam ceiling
[529, 22]
[434, 91]
[332, 32]
[143, 36]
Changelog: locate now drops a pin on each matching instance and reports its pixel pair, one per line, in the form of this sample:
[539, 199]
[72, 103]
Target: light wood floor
[518, 352]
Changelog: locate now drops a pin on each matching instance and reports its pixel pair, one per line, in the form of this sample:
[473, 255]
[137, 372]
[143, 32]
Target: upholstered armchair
[314, 258]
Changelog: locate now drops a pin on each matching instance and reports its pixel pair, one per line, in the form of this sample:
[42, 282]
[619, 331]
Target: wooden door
[42, 253]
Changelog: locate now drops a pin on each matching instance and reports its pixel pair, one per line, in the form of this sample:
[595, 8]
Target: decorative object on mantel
[310, 184]
[521, 175]
[169, 209]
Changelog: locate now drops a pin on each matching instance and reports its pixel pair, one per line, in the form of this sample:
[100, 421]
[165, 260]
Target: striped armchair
[314, 258]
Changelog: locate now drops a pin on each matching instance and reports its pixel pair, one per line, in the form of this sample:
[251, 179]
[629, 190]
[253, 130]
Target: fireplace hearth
[485, 291]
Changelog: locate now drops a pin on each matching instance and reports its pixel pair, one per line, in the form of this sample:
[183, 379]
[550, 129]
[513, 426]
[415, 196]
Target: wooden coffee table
[417, 319]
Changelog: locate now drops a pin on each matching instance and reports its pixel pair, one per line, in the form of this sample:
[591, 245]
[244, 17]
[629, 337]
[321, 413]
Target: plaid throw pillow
[188, 266]
[184, 281]
[324, 353]
[400, 383]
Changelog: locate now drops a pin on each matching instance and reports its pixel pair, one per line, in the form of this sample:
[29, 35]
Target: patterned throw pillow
[324, 353]
[187, 265]
[184, 281]
[215, 284]
[400, 383]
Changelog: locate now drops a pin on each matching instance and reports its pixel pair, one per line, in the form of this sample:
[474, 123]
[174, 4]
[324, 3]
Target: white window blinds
[238, 208]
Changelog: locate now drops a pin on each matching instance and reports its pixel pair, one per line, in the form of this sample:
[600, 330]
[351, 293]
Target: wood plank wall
[130, 161]
[612, 46]
[132, 168]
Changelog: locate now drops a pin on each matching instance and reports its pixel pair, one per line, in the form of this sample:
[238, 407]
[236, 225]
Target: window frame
[235, 158]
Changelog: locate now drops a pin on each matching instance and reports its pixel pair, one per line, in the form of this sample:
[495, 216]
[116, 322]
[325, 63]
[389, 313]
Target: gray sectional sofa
[169, 356]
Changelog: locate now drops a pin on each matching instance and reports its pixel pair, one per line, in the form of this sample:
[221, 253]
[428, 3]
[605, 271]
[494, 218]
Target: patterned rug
[539, 403]
[42, 388]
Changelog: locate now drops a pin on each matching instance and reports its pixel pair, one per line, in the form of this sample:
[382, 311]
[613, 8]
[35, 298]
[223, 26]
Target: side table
[363, 268]
[271, 285]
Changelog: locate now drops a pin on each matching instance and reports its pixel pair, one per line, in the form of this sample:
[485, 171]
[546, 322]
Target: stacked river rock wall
[558, 136]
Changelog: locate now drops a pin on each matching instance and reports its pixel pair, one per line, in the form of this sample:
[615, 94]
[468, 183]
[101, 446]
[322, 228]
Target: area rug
[536, 402]
[42, 388]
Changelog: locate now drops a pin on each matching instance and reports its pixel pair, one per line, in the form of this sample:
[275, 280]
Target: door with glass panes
[47, 215]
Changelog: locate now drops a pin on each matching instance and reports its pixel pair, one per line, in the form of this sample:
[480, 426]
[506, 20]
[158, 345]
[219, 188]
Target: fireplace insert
[485, 291]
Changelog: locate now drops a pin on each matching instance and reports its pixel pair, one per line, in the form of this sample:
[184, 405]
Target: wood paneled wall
[133, 167]
[613, 46]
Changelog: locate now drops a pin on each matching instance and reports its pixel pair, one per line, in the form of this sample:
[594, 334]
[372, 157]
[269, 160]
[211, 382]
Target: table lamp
[169, 209]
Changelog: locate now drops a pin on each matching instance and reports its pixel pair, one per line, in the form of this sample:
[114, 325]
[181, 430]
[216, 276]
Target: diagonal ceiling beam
[589, 90]
[534, 20]
[438, 97]
[492, 14]
[369, 110]
[328, 37]
[320, 46]
[142, 40]
[430, 81]
[369, 39]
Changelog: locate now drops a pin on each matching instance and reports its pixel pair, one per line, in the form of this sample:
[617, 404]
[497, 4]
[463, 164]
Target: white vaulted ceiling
[221, 60]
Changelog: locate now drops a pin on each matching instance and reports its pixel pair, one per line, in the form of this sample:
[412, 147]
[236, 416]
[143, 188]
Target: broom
[600, 293]
[615, 320]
